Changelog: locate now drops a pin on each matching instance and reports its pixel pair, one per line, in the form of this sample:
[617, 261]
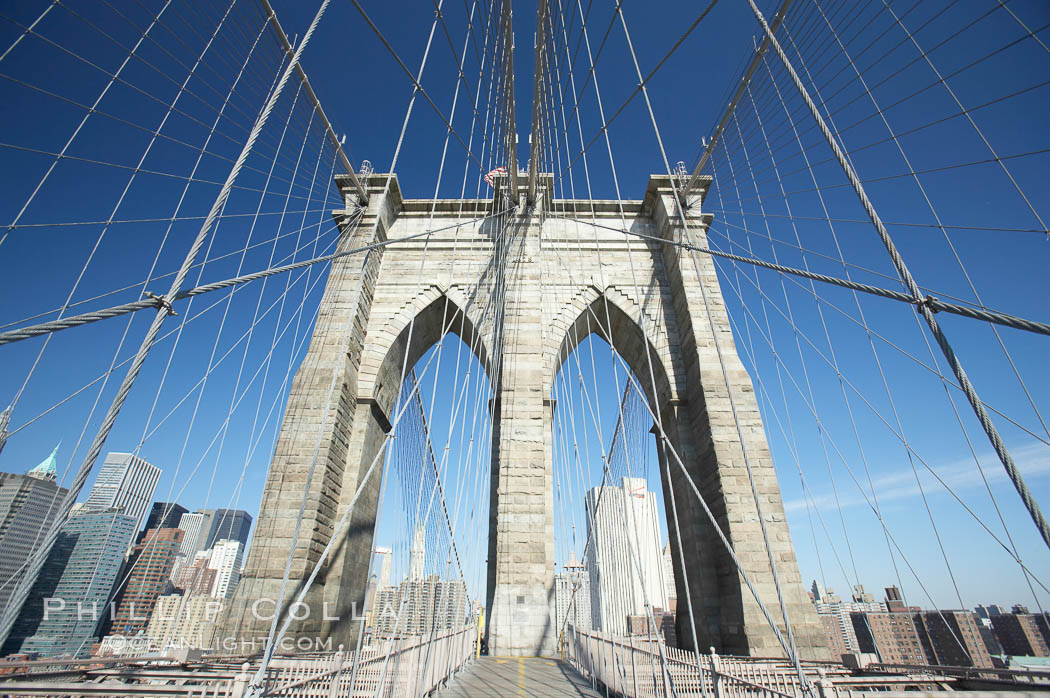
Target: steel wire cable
[882, 419]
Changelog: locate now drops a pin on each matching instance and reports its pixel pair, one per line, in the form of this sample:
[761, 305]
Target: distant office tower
[420, 606]
[572, 597]
[28, 504]
[379, 578]
[381, 559]
[417, 561]
[1019, 608]
[147, 577]
[163, 515]
[225, 524]
[1020, 634]
[125, 482]
[951, 638]
[892, 636]
[670, 591]
[625, 562]
[183, 621]
[74, 583]
[190, 524]
[225, 559]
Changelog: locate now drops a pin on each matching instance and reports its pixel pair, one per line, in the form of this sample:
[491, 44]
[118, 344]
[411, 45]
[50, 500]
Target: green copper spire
[46, 469]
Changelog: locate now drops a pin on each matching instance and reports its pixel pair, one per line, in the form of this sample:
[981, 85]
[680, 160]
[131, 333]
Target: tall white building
[191, 533]
[126, 483]
[418, 558]
[381, 564]
[625, 562]
[190, 525]
[226, 561]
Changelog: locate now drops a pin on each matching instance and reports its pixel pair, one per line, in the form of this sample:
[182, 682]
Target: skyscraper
[190, 524]
[147, 578]
[225, 559]
[381, 559]
[191, 528]
[70, 595]
[28, 503]
[418, 558]
[125, 482]
[625, 562]
[163, 515]
[225, 524]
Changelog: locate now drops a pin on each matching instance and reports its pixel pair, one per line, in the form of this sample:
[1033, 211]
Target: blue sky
[365, 94]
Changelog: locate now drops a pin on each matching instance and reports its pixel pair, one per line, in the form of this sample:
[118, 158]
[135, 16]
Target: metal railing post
[634, 666]
[336, 676]
[240, 682]
[715, 679]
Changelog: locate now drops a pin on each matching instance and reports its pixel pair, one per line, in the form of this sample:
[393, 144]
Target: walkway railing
[985, 674]
[410, 666]
[636, 667]
[407, 666]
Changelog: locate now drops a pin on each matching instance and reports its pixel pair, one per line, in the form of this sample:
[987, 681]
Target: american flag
[490, 178]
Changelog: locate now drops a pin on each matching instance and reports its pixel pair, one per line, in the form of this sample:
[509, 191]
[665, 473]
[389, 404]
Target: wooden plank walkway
[537, 677]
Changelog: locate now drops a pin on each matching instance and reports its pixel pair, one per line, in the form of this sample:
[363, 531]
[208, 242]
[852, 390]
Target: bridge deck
[519, 676]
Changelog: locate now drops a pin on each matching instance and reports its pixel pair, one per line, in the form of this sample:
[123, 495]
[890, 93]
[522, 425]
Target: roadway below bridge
[535, 677]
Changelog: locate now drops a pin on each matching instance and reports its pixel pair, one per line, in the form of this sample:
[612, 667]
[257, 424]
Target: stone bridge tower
[522, 288]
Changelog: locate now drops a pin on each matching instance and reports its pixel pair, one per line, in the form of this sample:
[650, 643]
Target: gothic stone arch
[526, 313]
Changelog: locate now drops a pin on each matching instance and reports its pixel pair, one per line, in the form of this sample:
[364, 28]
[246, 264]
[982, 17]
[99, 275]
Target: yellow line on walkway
[521, 677]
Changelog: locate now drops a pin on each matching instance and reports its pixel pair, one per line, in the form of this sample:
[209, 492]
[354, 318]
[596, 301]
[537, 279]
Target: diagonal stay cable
[21, 592]
[912, 287]
[928, 301]
[877, 414]
[165, 303]
[908, 355]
